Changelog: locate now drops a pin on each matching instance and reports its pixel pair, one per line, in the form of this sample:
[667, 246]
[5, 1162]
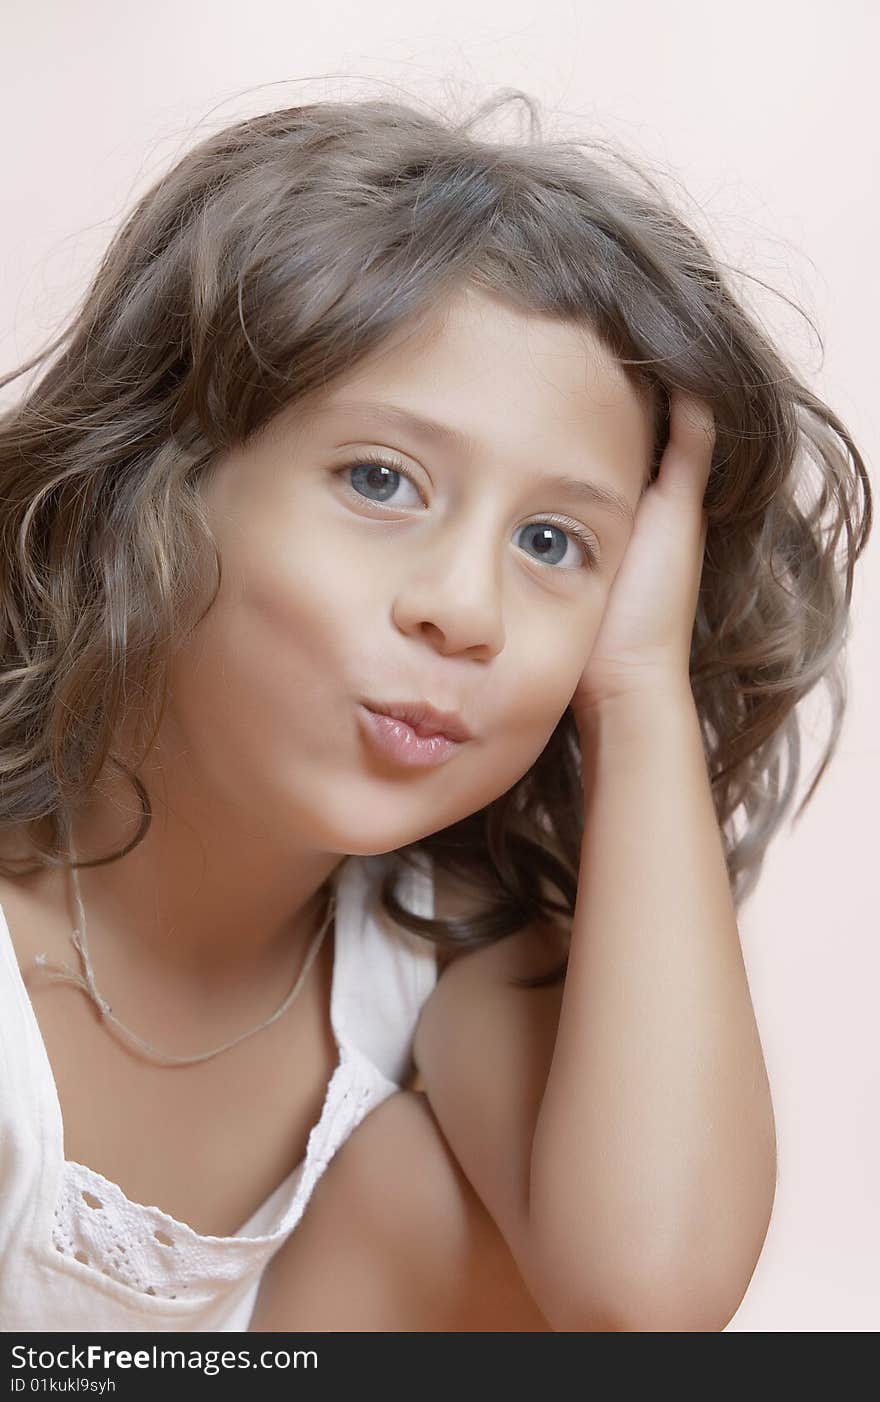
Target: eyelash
[379, 460]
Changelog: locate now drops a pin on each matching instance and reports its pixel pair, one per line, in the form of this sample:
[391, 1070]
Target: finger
[687, 459]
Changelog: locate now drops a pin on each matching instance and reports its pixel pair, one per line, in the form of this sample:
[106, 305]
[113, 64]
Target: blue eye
[551, 552]
[374, 473]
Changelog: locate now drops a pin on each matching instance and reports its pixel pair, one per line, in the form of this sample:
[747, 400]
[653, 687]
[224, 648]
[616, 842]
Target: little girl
[407, 580]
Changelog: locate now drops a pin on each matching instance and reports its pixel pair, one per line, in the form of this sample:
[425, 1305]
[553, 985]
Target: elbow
[689, 1278]
[648, 1297]
[677, 1310]
[650, 1310]
[685, 1279]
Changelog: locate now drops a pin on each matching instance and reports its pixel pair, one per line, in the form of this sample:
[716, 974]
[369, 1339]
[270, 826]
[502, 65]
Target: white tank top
[78, 1255]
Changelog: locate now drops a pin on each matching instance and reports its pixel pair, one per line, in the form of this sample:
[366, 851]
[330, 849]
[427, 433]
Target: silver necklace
[62, 973]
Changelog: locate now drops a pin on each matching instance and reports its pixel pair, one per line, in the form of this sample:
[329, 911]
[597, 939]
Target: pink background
[763, 120]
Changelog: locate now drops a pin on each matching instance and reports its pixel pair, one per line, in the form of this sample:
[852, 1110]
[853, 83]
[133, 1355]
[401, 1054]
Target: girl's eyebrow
[433, 432]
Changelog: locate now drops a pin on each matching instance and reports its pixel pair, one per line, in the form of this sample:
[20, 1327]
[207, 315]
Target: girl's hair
[273, 257]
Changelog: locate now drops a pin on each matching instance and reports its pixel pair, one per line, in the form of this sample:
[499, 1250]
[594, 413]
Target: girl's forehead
[479, 358]
[471, 322]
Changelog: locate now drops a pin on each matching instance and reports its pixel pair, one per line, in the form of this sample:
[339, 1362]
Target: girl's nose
[454, 593]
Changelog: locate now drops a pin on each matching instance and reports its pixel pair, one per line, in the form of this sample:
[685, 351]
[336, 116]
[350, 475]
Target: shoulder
[483, 1046]
[475, 989]
[438, 1244]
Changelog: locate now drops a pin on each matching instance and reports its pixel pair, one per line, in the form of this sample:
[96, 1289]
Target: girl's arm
[623, 1137]
[654, 1151]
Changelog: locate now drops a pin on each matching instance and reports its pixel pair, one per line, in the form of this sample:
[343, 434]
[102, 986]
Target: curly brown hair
[275, 255]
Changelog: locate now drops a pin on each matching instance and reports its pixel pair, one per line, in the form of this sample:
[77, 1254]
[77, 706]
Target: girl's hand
[644, 638]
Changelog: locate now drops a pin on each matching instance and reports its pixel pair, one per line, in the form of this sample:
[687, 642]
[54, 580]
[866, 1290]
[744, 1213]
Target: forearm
[653, 1162]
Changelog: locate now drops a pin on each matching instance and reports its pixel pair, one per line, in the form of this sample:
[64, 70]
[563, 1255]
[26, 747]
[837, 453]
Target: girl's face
[458, 576]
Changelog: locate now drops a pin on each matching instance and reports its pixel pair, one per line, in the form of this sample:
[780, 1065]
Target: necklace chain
[62, 973]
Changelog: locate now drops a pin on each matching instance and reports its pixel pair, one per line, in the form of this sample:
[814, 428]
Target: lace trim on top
[152, 1252]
